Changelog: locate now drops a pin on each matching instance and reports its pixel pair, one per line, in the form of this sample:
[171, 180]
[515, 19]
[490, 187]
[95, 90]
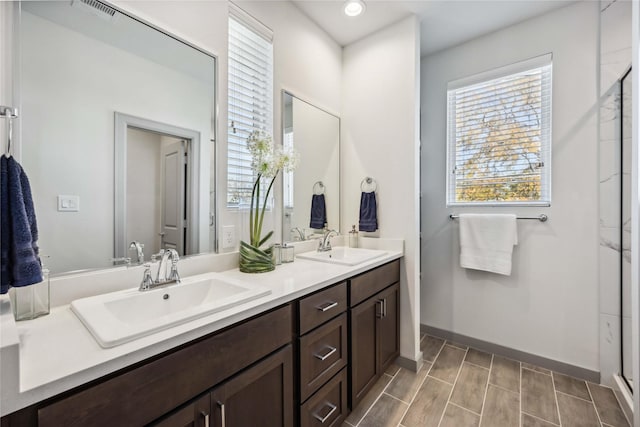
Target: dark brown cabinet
[374, 320]
[261, 396]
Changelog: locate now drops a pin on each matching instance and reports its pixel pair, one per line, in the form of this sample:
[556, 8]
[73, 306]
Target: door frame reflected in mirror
[123, 122]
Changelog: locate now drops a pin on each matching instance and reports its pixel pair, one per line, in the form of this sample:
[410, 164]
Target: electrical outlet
[228, 237]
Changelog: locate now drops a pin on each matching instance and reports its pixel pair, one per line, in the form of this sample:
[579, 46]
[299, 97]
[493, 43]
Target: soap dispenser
[353, 237]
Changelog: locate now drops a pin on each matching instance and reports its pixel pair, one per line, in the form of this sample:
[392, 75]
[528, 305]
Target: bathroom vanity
[303, 355]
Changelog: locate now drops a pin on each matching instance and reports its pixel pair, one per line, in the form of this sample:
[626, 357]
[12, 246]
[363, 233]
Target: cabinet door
[196, 414]
[364, 353]
[388, 337]
[261, 396]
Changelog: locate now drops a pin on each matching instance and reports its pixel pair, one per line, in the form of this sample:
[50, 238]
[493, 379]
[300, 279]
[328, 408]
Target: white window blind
[499, 136]
[250, 99]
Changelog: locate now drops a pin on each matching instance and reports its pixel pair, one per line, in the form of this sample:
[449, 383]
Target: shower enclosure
[625, 229]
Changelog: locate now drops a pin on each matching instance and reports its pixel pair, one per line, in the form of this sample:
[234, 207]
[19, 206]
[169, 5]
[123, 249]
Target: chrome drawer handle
[326, 417]
[325, 356]
[327, 306]
[206, 418]
[223, 416]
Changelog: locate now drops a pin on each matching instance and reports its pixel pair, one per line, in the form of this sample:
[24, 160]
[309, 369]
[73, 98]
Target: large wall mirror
[117, 133]
[311, 194]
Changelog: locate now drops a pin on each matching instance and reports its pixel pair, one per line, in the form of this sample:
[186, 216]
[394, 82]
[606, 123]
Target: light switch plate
[68, 203]
[228, 237]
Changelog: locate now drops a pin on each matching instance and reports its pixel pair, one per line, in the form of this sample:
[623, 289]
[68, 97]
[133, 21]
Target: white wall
[549, 305]
[8, 13]
[74, 154]
[379, 129]
[143, 195]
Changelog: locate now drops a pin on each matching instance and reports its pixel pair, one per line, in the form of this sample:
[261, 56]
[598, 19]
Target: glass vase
[31, 302]
[255, 260]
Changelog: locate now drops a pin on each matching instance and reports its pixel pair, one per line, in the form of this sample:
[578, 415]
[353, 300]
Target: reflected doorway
[157, 187]
[156, 214]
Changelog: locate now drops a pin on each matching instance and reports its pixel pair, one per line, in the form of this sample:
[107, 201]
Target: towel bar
[541, 217]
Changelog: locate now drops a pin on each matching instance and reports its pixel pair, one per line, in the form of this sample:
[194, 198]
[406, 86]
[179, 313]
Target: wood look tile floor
[464, 387]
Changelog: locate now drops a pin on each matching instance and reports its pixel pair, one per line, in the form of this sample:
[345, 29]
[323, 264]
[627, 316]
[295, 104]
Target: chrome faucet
[165, 256]
[300, 233]
[137, 246]
[325, 244]
[161, 277]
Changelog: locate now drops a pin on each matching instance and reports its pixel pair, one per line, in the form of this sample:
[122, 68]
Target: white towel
[486, 242]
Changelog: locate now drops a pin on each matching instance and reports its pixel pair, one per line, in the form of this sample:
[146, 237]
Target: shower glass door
[625, 233]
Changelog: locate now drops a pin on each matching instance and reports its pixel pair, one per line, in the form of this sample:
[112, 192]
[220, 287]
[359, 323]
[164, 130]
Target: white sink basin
[119, 317]
[343, 255]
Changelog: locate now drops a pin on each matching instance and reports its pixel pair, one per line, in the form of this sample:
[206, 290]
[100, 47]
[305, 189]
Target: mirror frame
[282, 128]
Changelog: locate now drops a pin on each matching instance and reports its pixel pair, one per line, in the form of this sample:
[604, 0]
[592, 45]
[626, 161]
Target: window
[499, 136]
[250, 99]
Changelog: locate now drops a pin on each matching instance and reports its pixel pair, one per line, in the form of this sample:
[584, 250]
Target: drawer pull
[380, 309]
[206, 418]
[223, 416]
[327, 306]
[326, 355]
[326, 417]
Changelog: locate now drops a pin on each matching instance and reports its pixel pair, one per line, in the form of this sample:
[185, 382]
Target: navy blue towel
[368, 212]
[19, 260]
[318, 211]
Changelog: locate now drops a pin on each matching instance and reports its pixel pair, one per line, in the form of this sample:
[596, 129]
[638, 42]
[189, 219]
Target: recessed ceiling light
[354, 7]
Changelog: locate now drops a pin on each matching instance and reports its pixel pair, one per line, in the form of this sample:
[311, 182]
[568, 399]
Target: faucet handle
[173, 275]
[158, 256]
[147, 280]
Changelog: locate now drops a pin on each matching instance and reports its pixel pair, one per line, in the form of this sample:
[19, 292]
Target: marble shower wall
[615, 59]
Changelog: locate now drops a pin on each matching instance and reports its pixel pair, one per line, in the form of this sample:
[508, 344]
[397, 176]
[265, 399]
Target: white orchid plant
[266, 163]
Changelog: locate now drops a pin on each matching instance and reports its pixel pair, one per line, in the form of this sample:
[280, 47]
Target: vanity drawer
[372, 282]
[322, 306]
[323, 352]
[328, 407]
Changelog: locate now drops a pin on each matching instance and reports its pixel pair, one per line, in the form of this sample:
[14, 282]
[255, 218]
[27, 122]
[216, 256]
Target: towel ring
[318, 188]
[9, 113]
[368, 181]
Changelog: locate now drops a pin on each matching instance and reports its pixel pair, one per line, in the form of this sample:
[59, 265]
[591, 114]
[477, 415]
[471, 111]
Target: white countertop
[44, 357]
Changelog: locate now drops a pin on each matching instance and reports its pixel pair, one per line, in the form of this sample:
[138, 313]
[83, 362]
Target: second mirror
[311, 194]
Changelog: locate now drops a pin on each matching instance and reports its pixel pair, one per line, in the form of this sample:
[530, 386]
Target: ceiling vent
[95, 7]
